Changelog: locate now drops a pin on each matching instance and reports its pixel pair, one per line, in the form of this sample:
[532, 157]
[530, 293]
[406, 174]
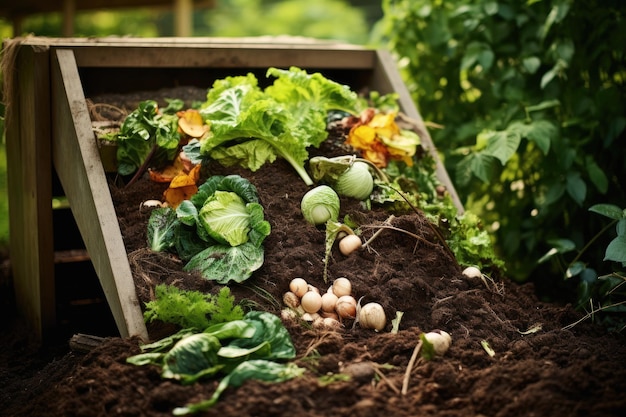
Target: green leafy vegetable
[219, 231]
[239, 350]
[192, 309]
[251, 126]
[148, 133]
[162, 227]
[260, 369]
[223, 263]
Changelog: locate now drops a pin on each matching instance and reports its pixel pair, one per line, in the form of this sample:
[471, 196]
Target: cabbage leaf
[219, 232]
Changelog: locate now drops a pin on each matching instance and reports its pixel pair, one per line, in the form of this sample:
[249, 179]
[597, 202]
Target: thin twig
[379, 231]
[586, 316]
[437, 233]
[397, 229]
[384, 378]
[409, 367]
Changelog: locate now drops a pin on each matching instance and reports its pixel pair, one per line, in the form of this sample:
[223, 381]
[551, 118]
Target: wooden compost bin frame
[49, 126]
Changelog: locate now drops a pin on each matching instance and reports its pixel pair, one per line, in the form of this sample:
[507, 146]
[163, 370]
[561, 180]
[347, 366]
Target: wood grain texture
[30, 190]
[77, 161]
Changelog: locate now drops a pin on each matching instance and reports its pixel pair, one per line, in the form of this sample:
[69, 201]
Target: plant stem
[437, 233]
[593, 239]
[143, 166]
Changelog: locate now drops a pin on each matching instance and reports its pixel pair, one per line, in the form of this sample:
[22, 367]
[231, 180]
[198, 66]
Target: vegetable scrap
[380, 139]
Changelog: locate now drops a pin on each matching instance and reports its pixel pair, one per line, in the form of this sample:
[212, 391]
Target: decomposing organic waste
[215, 224]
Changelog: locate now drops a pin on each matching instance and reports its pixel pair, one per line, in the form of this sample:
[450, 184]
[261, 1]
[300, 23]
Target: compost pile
[510, 354]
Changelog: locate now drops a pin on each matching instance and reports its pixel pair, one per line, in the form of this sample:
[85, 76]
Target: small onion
[291, 299]
[472, 272]
[320, 204]
[346, 307]
[310, 317]
[349, 244]
[356, 182]
[329, 301]
[311, 302]
[372, 316]
[298, 286]
[313, 288]
[329, 315]
[342, 286]
[440, 340]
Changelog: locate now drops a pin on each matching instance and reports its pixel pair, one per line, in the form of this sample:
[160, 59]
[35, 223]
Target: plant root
[409, 368]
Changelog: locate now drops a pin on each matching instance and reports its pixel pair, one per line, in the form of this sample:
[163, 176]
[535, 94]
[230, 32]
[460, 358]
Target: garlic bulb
[372, 316]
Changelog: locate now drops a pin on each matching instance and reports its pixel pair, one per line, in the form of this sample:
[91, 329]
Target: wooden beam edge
[76, 159]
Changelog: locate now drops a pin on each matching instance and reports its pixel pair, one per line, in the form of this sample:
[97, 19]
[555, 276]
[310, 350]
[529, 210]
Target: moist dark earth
[542, 366]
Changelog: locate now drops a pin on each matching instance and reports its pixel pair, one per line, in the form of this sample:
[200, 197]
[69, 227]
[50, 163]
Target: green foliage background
[530, 96]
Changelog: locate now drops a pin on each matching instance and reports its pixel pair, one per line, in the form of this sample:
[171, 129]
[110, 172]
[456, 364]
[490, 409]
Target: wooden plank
[30, 186]
[252, 52]
[221, 56]
[387, 79]
[77, 161]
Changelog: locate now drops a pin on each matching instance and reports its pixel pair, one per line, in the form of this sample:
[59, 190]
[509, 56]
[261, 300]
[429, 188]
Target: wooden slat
[30, 188]
[387, 79]
[77, 161]
[253, 52]
[221, 56]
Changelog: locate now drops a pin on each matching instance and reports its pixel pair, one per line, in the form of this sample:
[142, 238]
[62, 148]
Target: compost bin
[52, 152]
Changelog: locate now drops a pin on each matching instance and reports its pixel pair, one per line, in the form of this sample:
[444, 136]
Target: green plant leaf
[596, 175]
[477, 53]
[531, 64]
[576, 187]
[503, 145]
[559, 246]
[616, 251]
[608, 210]
[482, 166]
[222, 263]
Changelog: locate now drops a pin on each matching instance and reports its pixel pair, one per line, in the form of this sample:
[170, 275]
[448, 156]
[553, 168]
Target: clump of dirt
[546, 371]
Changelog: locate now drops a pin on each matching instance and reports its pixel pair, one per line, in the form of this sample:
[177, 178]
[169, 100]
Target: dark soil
[551, 372]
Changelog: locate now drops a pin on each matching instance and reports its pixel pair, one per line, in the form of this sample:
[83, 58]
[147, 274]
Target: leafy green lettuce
[219, 231]
[251, 126]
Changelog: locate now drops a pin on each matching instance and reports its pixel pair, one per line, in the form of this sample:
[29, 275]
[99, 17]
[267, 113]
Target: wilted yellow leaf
[191, 123]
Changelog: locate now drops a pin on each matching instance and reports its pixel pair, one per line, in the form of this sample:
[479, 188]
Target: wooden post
[30, 186]
[183, 18]
[77, 161]
[69, 13]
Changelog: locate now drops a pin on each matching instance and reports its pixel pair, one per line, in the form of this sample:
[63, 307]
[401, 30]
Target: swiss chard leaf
[145, 132]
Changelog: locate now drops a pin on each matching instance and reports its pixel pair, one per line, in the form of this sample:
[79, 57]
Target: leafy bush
[530, 98]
